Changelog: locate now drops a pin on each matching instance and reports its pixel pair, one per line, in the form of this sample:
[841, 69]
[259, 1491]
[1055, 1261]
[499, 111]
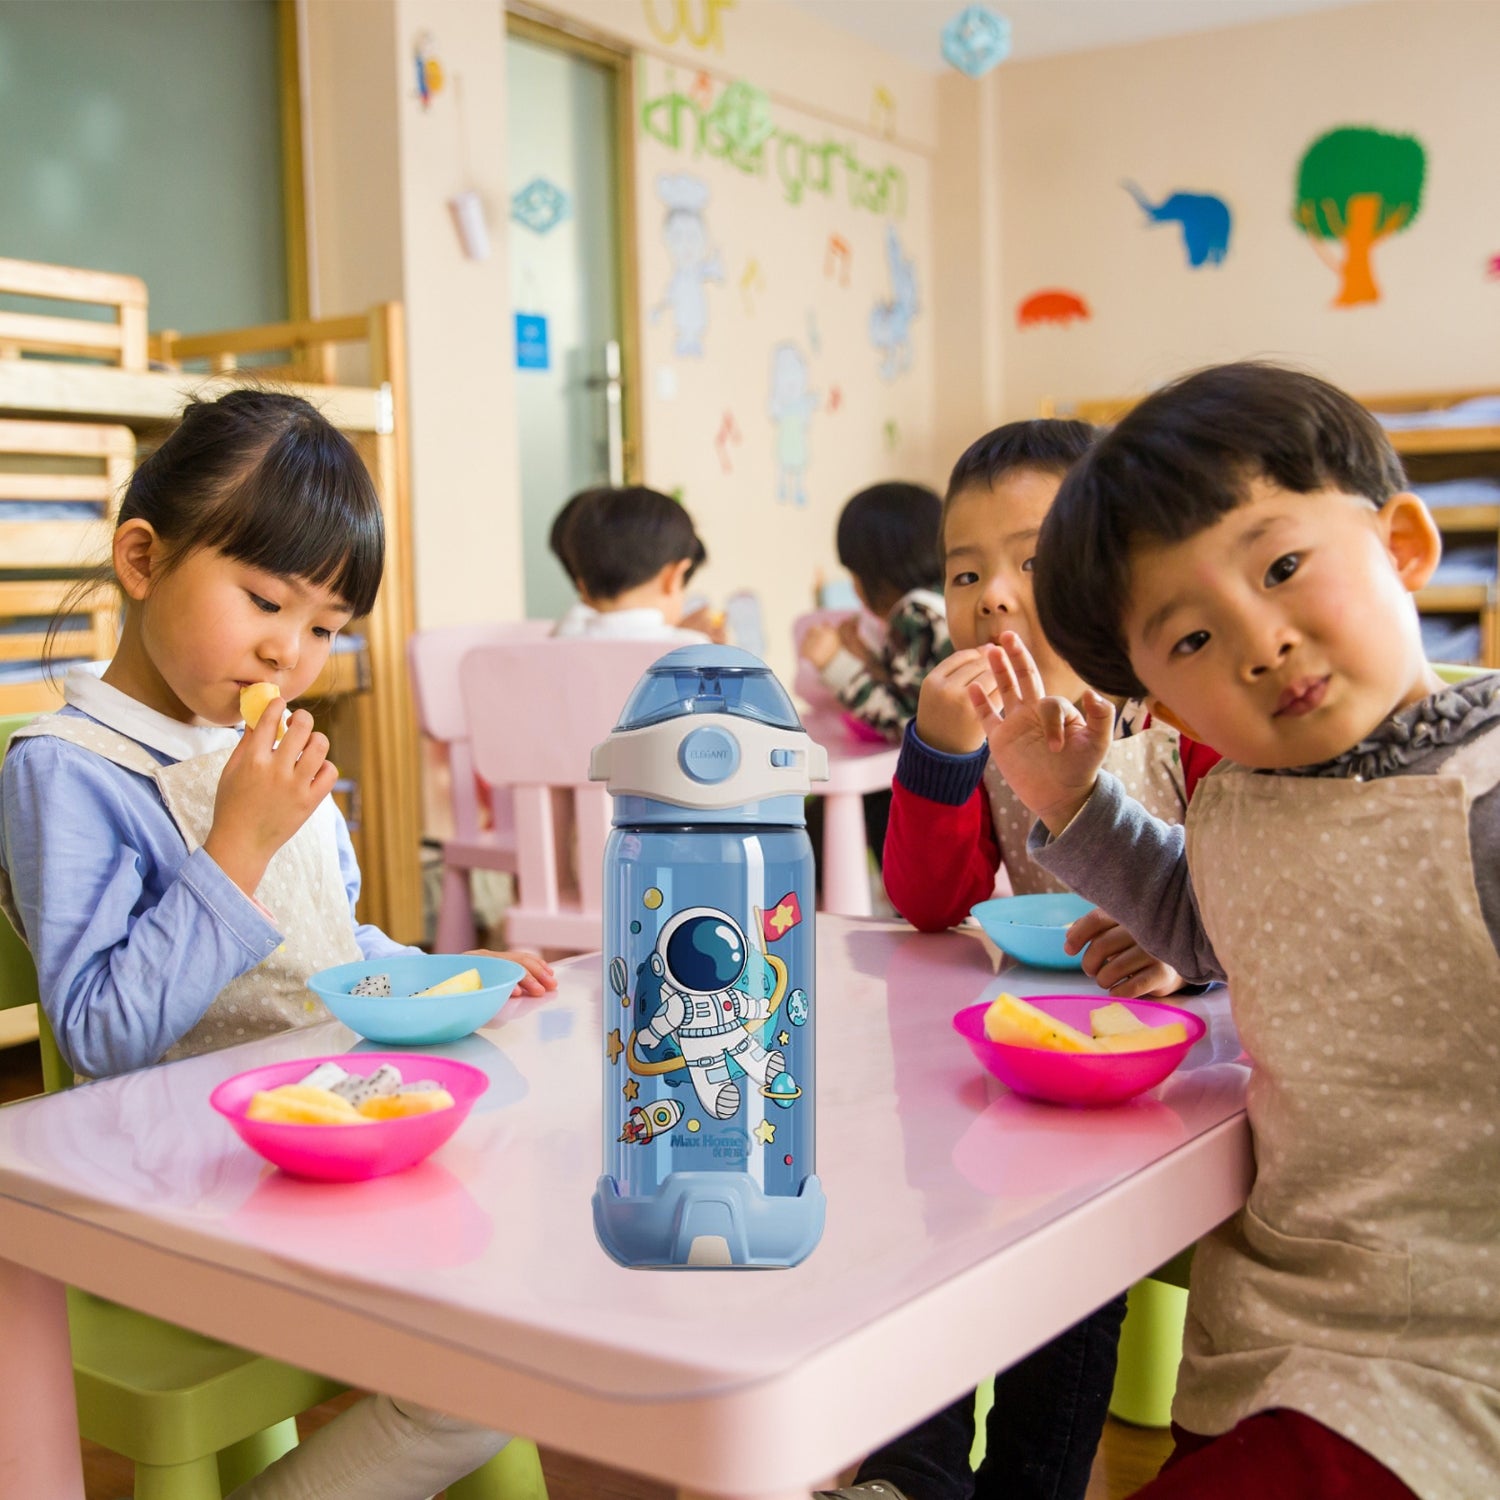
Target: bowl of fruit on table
[349, 1118]
[417, 999]
[1078, 1049]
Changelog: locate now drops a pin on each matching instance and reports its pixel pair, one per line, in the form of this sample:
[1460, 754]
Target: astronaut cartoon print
[701, 955]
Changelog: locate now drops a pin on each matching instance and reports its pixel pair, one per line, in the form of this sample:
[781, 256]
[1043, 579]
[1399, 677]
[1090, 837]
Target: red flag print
[781, 918]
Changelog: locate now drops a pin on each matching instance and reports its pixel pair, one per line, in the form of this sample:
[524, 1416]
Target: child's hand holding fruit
[271, 785]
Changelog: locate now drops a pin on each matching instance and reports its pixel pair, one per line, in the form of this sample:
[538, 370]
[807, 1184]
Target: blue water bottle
[709, 1000]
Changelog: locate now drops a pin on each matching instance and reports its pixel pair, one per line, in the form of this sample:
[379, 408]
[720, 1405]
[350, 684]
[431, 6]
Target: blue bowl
[405, 1019]
[1031, 928]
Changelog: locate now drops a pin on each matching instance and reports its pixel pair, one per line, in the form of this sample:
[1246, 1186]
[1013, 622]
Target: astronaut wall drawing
[695, 262]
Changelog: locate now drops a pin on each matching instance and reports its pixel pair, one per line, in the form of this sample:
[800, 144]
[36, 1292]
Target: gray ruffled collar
[1445, 718]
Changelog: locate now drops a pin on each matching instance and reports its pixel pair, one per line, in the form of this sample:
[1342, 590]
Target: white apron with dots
[1361, 1282]
[303, 889]
[1148, 762]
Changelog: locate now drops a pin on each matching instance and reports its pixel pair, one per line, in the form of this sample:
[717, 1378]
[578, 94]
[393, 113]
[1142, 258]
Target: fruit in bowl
[417, 999]
[1078, 1049]
[349, 1118]
[1031, 929]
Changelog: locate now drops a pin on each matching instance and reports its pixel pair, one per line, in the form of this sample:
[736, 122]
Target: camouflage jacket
[884, 695]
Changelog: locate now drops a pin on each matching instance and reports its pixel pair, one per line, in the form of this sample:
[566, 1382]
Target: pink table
[965, 1227]
[854, 767]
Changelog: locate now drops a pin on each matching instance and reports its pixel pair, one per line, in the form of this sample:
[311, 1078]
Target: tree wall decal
[1358, 186]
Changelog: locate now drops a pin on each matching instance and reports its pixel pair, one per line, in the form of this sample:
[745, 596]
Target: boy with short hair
[630, 552]
[954, 821]
[1243, 549]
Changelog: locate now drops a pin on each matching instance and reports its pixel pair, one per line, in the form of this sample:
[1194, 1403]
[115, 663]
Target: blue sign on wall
[531, 342]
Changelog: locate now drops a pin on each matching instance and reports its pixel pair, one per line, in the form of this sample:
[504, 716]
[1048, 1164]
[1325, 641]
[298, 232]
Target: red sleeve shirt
[941, 854]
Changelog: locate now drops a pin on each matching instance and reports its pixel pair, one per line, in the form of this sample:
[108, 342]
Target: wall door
[569, 228]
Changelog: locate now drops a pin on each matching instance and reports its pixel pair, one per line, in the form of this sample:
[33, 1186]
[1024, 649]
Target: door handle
[614, 412]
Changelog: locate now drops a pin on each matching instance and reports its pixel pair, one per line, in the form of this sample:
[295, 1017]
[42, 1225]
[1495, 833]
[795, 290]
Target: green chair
[17, 977]
[1454, 675]
[195, 1416]
[1151, 1345]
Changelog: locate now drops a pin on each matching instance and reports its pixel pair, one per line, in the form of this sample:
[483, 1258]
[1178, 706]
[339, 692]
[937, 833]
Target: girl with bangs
[178, 877]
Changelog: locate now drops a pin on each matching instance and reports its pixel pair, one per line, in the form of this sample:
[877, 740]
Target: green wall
[144, 136]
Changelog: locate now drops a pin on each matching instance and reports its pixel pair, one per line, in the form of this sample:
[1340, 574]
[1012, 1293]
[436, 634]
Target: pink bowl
[350, 1153]
[1088, 1079]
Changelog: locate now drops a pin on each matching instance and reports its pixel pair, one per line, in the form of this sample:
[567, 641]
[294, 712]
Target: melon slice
[1018, 1024]
[1144, 1040]
[399, 1106]
[255, 700]
[468, 980]
[302, 1104]
[1114, 1019]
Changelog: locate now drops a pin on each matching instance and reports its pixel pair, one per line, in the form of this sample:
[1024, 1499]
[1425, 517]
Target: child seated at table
[557, 533]
[178, 877]
[1244, 548]
[887, 539]
[941, 857]
[954, 821]
[630, 553]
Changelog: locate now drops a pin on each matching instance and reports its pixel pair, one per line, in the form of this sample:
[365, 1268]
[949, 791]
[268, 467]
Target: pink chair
[434, 656]
[807, 685]
[535, 710]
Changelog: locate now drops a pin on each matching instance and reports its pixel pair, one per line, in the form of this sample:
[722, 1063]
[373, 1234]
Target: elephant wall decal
[1205, 219]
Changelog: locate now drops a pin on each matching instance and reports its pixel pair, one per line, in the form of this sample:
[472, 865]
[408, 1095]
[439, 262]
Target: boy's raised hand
[266, 793]
[1048, 752]
[946, 717]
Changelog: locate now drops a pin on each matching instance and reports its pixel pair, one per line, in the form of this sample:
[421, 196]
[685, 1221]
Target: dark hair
[888, 539]
[265, 478]
[557, 535]
[1047, 444]
[616, 539]
[1174, 466]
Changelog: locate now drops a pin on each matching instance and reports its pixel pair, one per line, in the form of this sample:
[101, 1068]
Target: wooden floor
[1128, 1456]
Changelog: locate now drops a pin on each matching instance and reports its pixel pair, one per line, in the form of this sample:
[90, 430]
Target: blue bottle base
[709, 1221]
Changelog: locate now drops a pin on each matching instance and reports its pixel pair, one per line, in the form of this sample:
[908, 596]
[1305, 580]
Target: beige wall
[1013, 184]
[383, 168]
[712, 428]
[1230, 112]
[968, 217]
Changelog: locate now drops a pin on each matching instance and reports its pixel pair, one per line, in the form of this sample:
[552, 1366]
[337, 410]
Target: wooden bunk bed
[77, 398]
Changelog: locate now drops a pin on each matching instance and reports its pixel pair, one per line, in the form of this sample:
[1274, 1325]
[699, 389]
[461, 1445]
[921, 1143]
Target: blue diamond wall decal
[540, 205]
[975, 40]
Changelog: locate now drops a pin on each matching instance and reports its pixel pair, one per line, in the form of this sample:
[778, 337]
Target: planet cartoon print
[797, 1008]
[652, 899]
[783, 1089]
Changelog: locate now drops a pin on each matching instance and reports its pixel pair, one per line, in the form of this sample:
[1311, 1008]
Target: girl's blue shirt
[132, 936]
